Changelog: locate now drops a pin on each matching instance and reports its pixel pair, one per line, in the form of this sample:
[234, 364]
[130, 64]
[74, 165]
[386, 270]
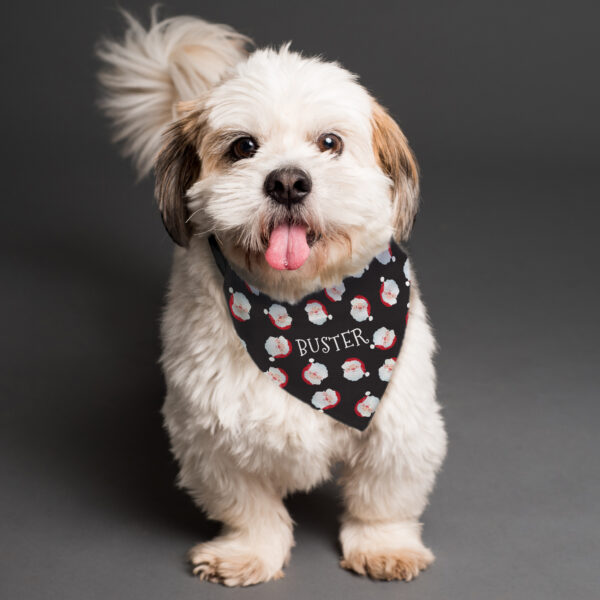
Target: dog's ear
[176, 168]
[398, 162]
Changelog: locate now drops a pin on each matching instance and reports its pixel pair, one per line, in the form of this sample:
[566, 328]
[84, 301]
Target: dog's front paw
[232, 564]
[384, 550]
[403, 563]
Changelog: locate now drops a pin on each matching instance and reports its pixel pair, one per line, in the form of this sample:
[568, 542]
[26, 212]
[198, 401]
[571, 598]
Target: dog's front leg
[385, 491]
[256, 539]
[381, 534]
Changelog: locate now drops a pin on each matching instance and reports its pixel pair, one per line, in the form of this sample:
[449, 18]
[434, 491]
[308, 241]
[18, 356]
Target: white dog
[216, 122]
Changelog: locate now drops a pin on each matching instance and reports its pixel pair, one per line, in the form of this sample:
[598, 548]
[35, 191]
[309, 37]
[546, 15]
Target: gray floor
[88, 503]
[507, 253]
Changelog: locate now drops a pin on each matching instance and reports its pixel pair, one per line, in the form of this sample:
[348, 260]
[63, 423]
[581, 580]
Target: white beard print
[277, 376]
[386, 256]
[335, 292]
[360, 310]
[407, 270]
[389, 292]
[353, 369]
[316, 312]
[278, 347]
[326, 399]
[366, 407]
[240, 306]
[314, 373]
[385, 371]
[279, 316]
[384, 338]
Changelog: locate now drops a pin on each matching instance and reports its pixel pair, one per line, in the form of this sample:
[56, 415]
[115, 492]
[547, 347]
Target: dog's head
[297, 170]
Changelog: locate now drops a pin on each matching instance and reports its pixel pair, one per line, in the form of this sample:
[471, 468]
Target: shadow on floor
[100, 430]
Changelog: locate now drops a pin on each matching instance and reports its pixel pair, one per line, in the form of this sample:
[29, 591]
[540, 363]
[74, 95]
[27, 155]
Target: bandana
[335, 349]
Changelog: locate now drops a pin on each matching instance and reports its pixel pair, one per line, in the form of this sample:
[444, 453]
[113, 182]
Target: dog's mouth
[289, 245]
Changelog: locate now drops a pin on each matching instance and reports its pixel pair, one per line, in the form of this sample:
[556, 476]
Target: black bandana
[334, 349]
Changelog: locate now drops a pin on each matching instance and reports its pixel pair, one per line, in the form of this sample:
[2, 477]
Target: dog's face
[299, 173]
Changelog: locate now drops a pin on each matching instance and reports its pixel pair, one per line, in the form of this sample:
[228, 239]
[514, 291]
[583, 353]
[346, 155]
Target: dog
[302, 177]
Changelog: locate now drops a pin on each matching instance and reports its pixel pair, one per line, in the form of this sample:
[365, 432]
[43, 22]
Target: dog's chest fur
[218, 399]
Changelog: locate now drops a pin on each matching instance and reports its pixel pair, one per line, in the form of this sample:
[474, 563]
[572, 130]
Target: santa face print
[314, 373]
[389, 292]
[366, 406]
[239, 306]
[334, 349]
[354, 369]
[360, 309]
[278, 347]
[316, 312]
[335, 292]
[277, 376]
[386, 256]
[326, 399]
[278, 315]
[383, 338]
[385, 370]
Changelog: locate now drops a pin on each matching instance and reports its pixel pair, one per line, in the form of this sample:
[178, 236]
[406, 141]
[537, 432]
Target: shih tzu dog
[294, 335]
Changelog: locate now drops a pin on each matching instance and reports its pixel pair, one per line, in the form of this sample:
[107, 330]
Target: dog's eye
[243, 147]
[330, 142]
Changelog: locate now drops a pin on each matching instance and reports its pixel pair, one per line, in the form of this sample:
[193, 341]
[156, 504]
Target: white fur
[242, 443]
[286, 101]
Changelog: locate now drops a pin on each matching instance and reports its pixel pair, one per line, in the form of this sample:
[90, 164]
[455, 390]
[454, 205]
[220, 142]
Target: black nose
[288, 185]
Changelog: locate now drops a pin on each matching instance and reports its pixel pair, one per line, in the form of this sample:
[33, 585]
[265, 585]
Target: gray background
[500, 102]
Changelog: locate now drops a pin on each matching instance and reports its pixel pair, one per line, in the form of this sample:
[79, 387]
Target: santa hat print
[278, 315]
[314, 372]
[354, 369]
[335, 292]
[252, 289]
[239, 305]
[366, 406]
[316, 311]
[324, 400]
[383, 338]
[361, 309]
[386, 256]
[388, 292]
[278, 347]
[385, 370]
[278, 376]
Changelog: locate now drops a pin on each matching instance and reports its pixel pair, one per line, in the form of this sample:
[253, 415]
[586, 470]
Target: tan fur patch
[398, 162]
[177, 168]
[215, 149]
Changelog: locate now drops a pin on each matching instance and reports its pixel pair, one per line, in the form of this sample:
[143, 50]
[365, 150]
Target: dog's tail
[146, 73]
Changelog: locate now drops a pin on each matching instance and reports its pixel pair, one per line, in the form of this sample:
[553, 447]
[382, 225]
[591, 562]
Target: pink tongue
[288, 248]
